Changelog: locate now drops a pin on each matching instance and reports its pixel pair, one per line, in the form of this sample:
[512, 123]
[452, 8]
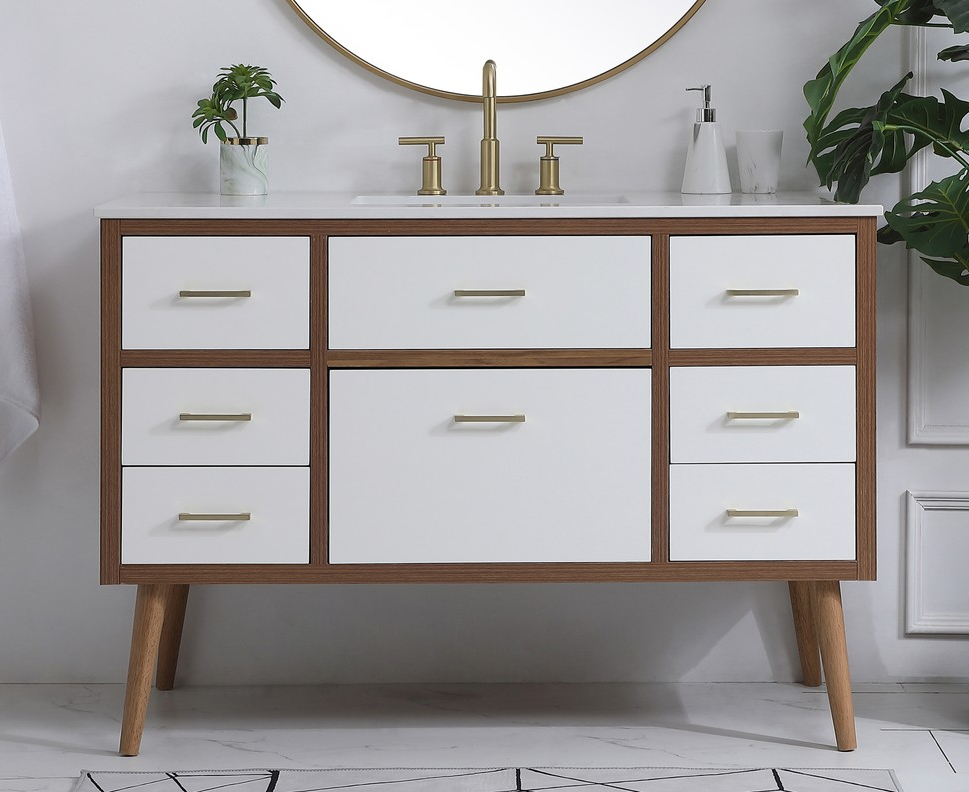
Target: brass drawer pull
[489, 292]
[215, 293]
[190, 517]
[215, 416]
[783, 415]
[489, 419]
[762, 292]
[762, 512]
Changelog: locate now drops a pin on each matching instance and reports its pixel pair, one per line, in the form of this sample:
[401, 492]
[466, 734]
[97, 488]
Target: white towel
[19, 394]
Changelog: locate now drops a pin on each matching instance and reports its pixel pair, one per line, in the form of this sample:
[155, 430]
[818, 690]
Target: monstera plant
[861, 142]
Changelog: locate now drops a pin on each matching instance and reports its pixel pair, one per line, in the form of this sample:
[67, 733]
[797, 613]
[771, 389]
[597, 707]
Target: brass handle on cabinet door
[786, 415]
[489, 292]
[215, 416]
[762, 292]
[489, 419]
[215, 293]
[762, 512]
[193, 517]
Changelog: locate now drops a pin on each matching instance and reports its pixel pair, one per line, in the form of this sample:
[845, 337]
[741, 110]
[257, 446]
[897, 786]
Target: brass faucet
[489, 143]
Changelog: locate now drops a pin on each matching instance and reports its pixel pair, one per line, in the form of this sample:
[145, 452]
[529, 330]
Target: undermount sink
[490, 200]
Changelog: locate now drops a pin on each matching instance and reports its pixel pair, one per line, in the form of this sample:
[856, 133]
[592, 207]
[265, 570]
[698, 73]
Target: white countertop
[332, 206]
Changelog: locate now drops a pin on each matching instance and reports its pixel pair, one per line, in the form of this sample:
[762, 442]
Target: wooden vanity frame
[163, 588]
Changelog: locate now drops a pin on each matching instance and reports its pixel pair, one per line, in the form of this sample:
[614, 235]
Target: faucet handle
[430, 165]
[549, 164]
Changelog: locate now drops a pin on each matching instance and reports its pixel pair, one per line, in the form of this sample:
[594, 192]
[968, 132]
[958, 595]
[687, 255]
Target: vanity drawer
[762, 414]
[274, 271]
[198, 416]
[410, 484]
[823, 497]
[560, 292]
[276, 500]
[803, 291]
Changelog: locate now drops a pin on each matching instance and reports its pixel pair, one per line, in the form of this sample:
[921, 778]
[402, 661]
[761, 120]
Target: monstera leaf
[957, 12]
[823, 89]
[931, 122]
[857, 144]
[960, 53]
[935, 222]
[917, 12]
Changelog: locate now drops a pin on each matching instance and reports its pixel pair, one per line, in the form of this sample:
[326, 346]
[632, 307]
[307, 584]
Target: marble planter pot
[242, 166]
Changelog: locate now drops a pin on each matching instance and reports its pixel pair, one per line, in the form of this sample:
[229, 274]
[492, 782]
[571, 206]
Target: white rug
[502, 779]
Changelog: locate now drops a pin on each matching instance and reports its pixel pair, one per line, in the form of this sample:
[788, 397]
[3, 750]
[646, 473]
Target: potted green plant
[242, 157]
[861, 142]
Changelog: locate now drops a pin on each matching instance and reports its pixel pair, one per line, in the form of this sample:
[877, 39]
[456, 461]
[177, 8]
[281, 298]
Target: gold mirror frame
[476, 97]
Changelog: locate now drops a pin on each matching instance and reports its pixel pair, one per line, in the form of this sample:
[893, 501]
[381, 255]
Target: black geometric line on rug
[267, 776]
[614, 784]
[401, 780]
[177, 782]
[836, 780]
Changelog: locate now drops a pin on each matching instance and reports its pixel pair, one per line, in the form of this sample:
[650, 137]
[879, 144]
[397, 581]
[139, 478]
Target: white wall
[95, 102]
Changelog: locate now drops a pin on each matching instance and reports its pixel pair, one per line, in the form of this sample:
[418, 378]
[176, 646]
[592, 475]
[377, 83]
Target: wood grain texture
[660, 486]
[490, 573]
[805, 631]
[219, 358]
[171, 636]
[486, 358]
[110, 402]
[834, 659]
[814, 356]
[865, 386]
[145, 636]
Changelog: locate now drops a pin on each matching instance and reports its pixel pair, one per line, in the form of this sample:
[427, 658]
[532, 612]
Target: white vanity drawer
[399, 292]
[199, 416]
[762, 414]
[409, 484]
[701, 529]
[276, 500]
[156, 270]
[706, 271]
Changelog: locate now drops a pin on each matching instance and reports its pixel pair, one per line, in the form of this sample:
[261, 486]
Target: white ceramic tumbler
[759, 159]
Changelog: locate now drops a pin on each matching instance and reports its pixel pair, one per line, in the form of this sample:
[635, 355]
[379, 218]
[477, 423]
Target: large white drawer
[156, 270]
[702, 530]
[704, 270]
[198, 416]
[408, 484]
[399, 292]
[762, 414]
[276, 500]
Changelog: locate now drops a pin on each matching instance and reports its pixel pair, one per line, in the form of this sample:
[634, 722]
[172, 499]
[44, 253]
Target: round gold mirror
[541, 49]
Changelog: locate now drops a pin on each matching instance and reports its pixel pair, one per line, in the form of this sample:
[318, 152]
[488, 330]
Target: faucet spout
[489, 142]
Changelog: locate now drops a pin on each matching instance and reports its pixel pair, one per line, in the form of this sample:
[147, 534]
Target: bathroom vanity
[316, 389]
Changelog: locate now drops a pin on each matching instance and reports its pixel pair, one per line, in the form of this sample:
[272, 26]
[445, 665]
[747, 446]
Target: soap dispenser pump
[706, 158]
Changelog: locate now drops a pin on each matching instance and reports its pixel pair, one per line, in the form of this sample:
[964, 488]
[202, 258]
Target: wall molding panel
[925, 514]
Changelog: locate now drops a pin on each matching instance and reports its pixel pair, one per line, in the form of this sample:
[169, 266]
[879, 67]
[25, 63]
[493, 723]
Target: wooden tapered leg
[834, 659]
[171, 637]
[805, 629]
[145, 635]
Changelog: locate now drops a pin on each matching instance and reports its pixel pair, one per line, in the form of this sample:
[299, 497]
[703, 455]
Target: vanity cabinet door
[499, 292]
[762, 512]
[762, 414]
[558, 470]
[201, 416]
[762, 291]
[215, 292]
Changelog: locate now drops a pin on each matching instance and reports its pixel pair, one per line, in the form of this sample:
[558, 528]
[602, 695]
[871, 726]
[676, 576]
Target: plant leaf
[918, 13]
[935, 221]
[823, 89]
[957, 11]
[930, 121]
[960, 53]
[956, 268]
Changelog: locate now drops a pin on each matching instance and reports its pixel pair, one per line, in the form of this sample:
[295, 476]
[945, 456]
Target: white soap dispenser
[706, 159]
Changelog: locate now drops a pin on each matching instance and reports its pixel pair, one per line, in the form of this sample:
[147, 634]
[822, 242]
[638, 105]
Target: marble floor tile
[49, 733]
